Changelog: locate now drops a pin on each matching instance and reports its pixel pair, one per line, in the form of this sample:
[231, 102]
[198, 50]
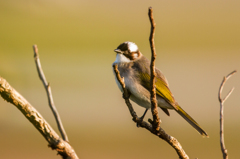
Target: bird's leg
[144, 114]
[142, 117]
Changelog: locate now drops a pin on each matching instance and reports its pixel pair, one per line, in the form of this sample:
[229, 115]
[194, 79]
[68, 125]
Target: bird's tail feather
[191, 121]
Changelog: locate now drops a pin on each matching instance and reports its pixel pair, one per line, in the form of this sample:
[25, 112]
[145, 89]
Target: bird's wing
[161, 88]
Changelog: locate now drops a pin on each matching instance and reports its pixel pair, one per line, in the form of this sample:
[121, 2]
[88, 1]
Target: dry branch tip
[222, 100]
[154, 107]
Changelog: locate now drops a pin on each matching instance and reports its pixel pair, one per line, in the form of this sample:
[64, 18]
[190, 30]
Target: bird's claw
[140, 121]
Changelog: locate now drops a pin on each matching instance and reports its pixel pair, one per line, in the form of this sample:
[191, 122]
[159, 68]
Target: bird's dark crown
[128, 49]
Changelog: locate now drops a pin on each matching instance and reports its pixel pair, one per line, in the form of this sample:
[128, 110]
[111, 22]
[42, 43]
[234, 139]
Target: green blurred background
[197, 43]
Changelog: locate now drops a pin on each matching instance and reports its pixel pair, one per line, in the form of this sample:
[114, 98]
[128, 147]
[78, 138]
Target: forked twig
[154, 109]
[160, 133]
[55, 141]
[49, 94]
[222, 143]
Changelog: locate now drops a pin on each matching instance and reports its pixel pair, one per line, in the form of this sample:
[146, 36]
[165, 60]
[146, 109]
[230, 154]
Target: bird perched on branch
[135, 68]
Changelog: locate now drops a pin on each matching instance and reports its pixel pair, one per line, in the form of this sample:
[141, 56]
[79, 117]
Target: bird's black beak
[118, 51]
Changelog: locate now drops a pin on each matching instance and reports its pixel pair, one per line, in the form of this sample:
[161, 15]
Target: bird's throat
[120, 58]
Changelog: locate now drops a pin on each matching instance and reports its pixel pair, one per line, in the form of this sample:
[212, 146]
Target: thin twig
[55, 142]
[160, 133]
[156, 119]
[49, 94]
[222, 143]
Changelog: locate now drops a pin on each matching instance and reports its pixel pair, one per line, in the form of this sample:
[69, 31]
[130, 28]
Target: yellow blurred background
[197, 43]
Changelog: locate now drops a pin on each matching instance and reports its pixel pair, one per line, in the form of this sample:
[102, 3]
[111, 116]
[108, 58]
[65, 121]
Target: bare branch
[126, 94]
[225, 78]
[222, 143]
[49, 94]
[55, 142]
[154, 109]
[160, 133]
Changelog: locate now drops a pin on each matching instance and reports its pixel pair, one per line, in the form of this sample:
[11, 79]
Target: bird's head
[127, 51]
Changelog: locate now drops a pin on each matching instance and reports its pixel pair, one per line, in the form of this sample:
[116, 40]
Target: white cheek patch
[132, 47]
[121, 58]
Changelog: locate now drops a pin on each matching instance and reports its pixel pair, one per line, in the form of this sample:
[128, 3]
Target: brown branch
[222, 143]
[49, 94]
[154, 109]
[55, 142]
[160, 133]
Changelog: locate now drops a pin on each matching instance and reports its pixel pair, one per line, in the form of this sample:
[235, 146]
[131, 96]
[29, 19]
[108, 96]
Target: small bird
[135, 68]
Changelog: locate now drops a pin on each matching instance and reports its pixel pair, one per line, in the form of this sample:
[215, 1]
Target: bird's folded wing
[161, 88]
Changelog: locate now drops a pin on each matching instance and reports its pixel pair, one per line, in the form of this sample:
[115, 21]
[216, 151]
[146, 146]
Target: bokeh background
[197, 43]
